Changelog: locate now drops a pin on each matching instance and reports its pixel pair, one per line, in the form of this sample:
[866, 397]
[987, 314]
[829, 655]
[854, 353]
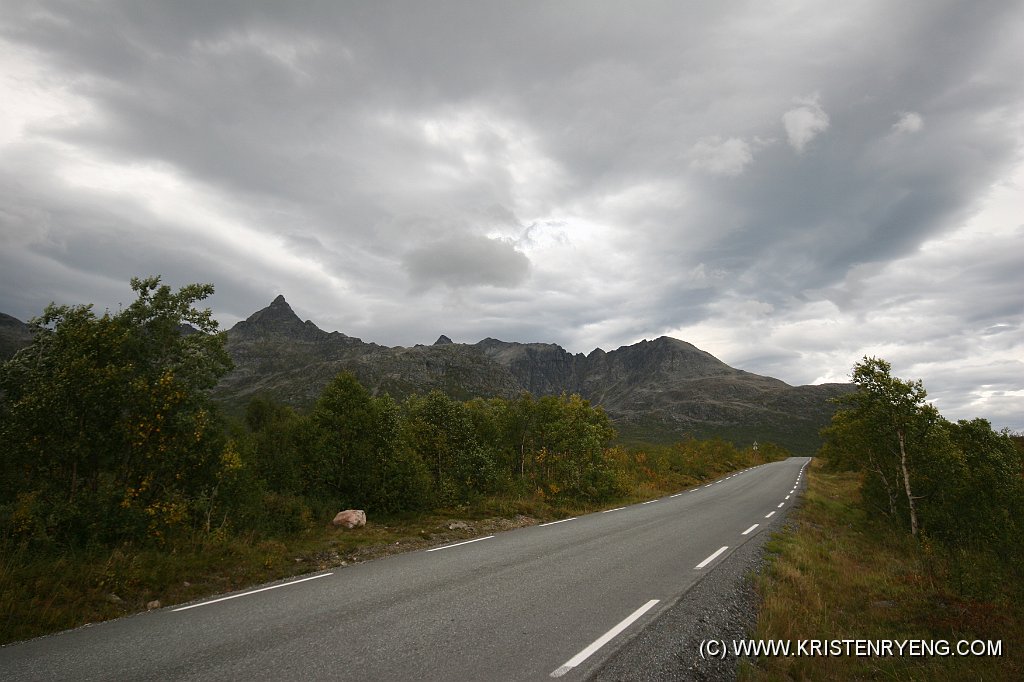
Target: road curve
[534, 603]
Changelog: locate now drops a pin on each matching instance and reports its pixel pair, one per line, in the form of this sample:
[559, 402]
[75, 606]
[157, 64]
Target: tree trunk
[906, 482]
[888, 491]
[522, 458]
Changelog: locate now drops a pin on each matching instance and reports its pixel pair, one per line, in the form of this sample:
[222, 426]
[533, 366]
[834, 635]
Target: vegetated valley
[149, 459]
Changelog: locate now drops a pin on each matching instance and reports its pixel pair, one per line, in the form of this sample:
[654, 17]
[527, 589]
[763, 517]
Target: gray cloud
[805, 122]
[467, 260]
[787, 190]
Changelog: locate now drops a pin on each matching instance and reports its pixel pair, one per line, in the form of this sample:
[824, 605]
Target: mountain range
[657, 390]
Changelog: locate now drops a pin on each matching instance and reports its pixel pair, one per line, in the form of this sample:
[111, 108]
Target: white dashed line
[603, 639]
[747, 531]
[710, 558]
[611, 510]
[769, 515]
[780, 504]
[551, 523]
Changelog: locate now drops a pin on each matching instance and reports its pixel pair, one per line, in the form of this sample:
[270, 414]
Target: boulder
[350, 518]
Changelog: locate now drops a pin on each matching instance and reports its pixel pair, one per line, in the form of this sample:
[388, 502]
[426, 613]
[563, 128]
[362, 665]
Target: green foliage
[888, 430]
[357, 454]
[276, 446]
[978, 497]
[107, 428]
[958, 485]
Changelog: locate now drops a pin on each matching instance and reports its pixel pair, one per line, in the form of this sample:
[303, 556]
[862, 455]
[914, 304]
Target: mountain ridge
[665, 386]
[660, 389]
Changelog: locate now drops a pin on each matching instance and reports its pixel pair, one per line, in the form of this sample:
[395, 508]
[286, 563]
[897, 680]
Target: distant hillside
[654, 390]
[14, 335]
[658, 389]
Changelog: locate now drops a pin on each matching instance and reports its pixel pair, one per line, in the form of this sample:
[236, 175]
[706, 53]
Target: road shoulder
[722, 606]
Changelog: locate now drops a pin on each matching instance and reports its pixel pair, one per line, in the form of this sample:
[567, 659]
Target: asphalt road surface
[547, 601]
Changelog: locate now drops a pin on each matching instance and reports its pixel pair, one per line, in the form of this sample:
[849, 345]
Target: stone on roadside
[155, 604]
[350, 518]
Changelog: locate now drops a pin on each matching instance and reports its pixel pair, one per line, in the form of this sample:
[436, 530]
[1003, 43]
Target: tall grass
[835, 574]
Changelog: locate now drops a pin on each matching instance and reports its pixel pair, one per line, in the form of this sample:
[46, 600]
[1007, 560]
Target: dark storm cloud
[587, 173]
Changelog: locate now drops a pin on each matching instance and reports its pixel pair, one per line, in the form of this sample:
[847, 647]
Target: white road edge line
[769, 515]
[459, 544]
[611, 510]
[603, 639]
[781, 505]
[750, 529]
[676, 495]
[246, 594]
[787, 497]
[551, 523]
[710, 558]
[649, 502]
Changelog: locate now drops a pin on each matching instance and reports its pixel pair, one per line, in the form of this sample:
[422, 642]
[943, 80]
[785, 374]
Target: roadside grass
[42, 593]
[835, 574]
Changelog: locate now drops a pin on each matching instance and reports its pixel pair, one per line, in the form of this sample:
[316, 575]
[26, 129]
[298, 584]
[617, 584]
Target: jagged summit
[277, 311]
[664, 384]
[278, 319]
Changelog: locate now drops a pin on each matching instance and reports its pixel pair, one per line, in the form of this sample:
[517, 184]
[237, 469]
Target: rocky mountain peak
[660, 386]
[278, 319]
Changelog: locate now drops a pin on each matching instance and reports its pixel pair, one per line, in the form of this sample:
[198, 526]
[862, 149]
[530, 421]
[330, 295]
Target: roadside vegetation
[912, 528]
[122, 483]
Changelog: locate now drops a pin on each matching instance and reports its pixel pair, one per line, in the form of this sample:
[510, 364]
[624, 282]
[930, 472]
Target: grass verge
[834, 574]
[42, 594]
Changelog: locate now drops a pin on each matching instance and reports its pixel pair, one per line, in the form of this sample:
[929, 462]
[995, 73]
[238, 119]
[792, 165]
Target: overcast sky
[787, 185]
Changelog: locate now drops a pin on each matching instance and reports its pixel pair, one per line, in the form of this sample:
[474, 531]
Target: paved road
[521, 605]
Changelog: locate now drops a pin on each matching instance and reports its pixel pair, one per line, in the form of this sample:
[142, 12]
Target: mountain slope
[654, 390]
[662, 388]
[14, 335]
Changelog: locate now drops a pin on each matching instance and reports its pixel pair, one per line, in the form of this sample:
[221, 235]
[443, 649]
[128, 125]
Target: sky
[789, 186]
